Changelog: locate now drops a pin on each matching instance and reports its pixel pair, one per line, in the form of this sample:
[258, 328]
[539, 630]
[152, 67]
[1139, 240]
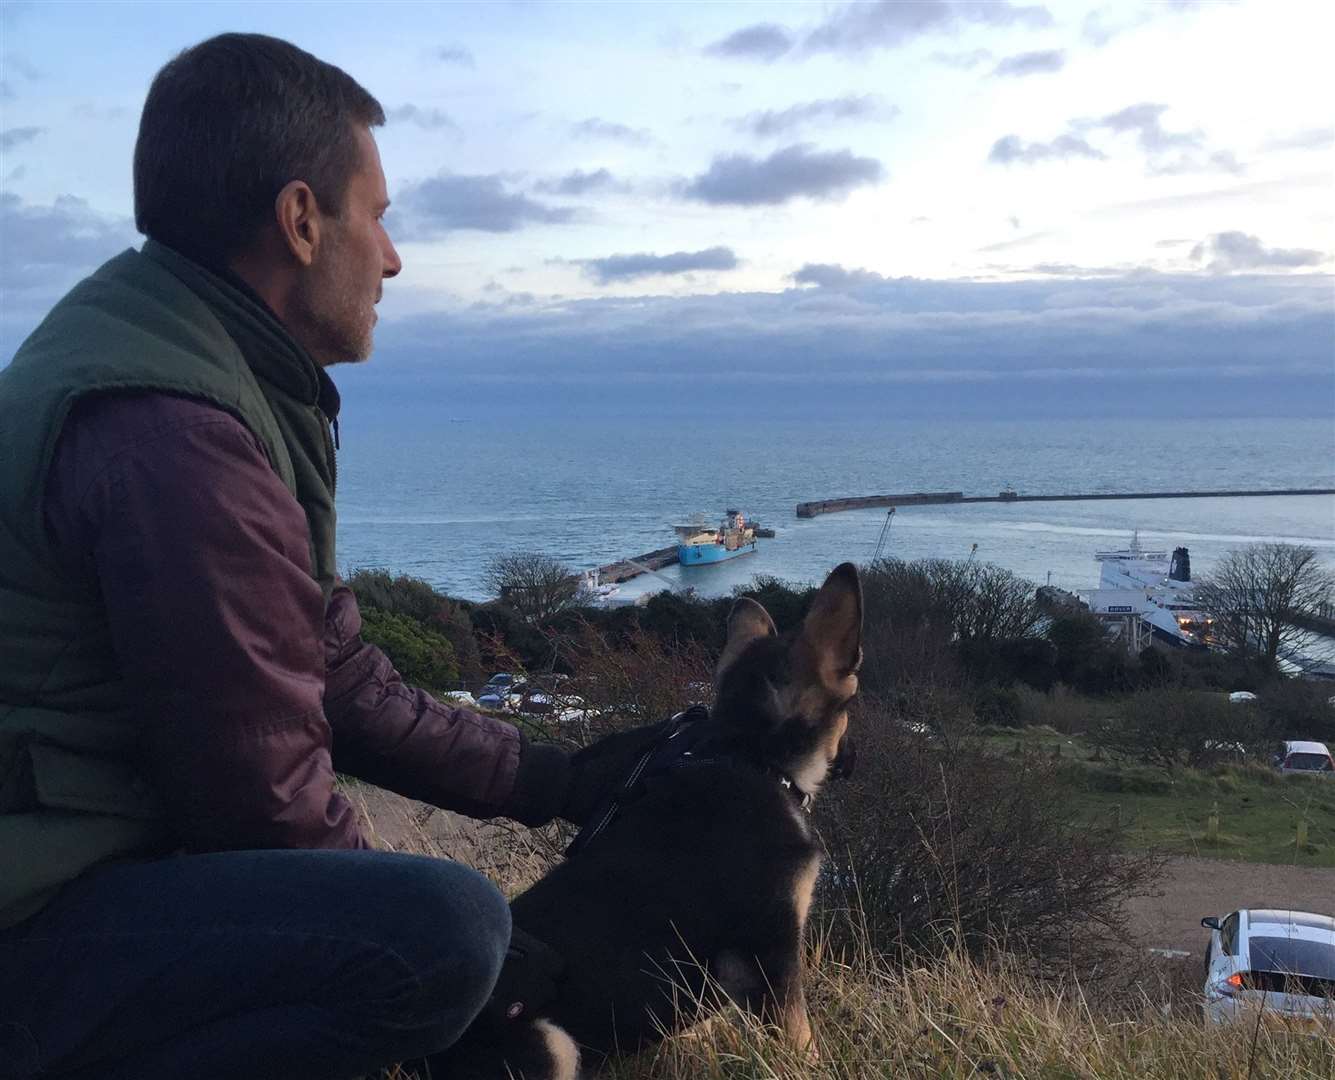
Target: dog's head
[788, 698]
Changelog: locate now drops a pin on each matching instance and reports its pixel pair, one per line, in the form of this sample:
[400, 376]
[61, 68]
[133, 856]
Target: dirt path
[1195, 887]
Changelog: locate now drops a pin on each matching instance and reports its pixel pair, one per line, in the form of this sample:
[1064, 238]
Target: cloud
[50, 247]
[764, 41]
[12, 137]
[594, 128]
[834, 276]
[1145, 341]
[1232, 251]
[455, 54]
[627, 267]
[963, 61]
[581, 183]
[1320, 138]
[1011, 149]
[1031, 63]
[432, 119]
[1019, 241]
[850, 107]
[888, 24]
[1168, 153]
[450, 203]
[794, 171]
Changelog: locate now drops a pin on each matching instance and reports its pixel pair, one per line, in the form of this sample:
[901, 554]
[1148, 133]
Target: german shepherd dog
[703, 881]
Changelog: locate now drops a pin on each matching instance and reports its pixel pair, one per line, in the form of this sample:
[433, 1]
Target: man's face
[335, 302]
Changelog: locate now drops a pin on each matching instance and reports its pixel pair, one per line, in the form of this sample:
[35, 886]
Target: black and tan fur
[709, 874]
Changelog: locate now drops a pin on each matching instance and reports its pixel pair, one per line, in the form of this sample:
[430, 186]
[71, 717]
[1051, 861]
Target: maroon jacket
[255, 693]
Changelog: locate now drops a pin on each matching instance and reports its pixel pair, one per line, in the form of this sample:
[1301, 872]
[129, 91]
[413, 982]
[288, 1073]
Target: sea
[438, 497]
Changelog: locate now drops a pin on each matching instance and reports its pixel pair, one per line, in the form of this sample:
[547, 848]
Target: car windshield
[1316, 762]
[1292, 956]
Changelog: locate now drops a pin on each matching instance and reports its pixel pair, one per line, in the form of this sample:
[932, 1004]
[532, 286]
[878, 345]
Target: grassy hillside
[1258, 809]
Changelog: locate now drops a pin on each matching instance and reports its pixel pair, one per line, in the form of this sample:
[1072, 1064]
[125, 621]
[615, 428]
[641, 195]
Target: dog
[702, 877]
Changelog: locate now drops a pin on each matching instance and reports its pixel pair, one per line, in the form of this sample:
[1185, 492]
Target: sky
[945, 205]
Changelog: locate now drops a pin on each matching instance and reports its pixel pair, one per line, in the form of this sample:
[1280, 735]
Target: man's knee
[460, 926]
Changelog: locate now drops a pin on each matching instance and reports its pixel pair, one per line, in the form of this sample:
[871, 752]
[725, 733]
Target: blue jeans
[249, 965]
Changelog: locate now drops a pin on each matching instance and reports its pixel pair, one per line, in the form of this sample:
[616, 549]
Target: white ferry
[1156, 587]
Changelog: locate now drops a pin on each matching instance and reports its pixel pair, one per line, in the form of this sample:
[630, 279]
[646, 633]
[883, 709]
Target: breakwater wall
[626, 569]
[938, 498]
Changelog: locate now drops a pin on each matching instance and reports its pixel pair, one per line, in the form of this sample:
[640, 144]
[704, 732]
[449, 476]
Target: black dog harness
[675, 749]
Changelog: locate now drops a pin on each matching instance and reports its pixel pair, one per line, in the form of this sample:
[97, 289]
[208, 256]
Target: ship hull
[704, 554]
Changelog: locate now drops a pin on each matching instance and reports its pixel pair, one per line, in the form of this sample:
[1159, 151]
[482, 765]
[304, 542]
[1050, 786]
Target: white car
[1307, 758]
[1280, 962]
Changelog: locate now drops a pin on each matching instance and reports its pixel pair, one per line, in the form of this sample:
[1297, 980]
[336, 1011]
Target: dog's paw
[561, 1051]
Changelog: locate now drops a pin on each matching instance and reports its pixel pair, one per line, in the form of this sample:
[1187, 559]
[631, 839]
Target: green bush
[1182, 728]
[421, 656]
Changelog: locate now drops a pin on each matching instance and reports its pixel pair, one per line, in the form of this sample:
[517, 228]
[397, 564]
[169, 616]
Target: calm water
[437, 498]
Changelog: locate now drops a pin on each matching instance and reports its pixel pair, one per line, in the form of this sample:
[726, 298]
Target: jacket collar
[270, 350]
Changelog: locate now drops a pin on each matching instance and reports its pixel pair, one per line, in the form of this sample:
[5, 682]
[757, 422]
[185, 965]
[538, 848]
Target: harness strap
[673, 750]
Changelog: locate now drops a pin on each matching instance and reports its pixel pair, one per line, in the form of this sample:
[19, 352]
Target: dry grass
[883, 1017]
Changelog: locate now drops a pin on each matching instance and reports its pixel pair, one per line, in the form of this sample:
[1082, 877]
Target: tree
[1263, 598]
[535, 585]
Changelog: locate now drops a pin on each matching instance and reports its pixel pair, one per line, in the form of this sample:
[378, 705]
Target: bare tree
[1263, 598]
[535, 585]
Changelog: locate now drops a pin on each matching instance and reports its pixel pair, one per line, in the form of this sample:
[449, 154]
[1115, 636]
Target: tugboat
[699, 543]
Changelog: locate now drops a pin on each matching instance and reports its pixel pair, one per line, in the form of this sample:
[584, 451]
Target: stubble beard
[336, 321]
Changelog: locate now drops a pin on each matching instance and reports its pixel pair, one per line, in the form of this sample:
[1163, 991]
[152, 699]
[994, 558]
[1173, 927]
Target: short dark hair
[227, 124]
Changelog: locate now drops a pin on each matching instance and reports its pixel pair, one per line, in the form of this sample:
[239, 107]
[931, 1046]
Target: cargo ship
[699, 543]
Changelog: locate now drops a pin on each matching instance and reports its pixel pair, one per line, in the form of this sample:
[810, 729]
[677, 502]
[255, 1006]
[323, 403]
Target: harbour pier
[939, 498]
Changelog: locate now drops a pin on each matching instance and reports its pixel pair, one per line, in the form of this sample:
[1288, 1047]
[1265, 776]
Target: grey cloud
[798, 170]
[627, 267]
[432, 119]
[1031, 63]
[21, 65]
[6, 91]
[887, 24]
[50, 247]
[595, 128]
[1011, 149]
[450, 203]
[1216, 161]
[1101, 26]
[1144, 120]
[778, 122]
[1232, 251]
[834, 276]
[1240, 342]
[581, 183]
[963, 61]
[1321, 138]
[764, 41]
[12, 137]
[455, 54]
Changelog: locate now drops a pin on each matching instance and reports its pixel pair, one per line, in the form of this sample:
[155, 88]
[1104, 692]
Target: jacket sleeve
[403, 739]
[170, 509]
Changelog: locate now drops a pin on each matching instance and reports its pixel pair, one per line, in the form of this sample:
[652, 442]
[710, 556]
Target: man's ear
[747, 622]
[297, 215]
[832, 631]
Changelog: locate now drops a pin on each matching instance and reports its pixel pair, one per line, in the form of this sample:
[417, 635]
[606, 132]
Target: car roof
[1303, 746]
[1279, 922]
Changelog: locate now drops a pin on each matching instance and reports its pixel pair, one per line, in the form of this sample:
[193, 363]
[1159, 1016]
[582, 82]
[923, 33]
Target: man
[182, 890]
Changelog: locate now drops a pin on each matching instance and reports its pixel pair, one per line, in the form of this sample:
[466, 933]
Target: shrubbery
[422, 656]
[934, 846]
[1182, 728]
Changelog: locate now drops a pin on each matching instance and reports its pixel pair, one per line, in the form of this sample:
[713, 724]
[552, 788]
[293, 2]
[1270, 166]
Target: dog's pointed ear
[747, 622]
[832, 631]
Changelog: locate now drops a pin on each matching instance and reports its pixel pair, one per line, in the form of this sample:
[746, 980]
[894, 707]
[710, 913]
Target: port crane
[885, 533]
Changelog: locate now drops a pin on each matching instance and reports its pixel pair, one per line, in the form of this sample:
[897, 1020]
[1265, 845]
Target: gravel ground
[1196, 887]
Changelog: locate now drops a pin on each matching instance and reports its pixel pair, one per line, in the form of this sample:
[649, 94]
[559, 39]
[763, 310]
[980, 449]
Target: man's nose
[392, 263]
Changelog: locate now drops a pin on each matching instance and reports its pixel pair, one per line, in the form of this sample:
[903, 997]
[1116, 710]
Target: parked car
[459, 697]
[1241, 697]
[1280, 962]
[1308, 758]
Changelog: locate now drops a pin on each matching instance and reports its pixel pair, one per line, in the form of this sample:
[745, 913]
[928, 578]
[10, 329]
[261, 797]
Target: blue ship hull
[700, 554]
